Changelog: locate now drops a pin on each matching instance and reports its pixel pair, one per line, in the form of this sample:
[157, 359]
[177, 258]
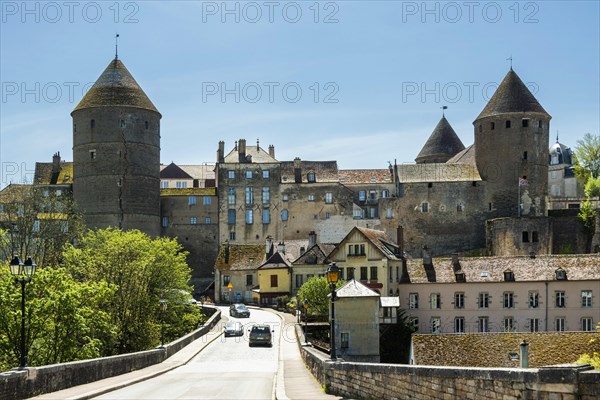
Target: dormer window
[561, 274]
[460, 277]
[311, 177]
[509, 276]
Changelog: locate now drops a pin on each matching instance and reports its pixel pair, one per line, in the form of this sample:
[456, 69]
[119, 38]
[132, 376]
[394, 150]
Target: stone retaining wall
[395, 381]
[33, 381]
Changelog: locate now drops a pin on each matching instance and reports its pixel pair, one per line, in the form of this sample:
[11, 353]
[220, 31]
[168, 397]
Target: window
[249, 280]
[534, 325]
[372, 212]
[539, 124]
[122, 124]
[372, 194]
[266, 195]
[36, 225]
[385, 193]
[362, 195]
[460, 207]
[231, 196]
[459, 325]
[483, 324]
[356, 250]
[524, 155]
[364, 273]
[483, 301]
[587, 324]
[559, 323]
[424, 207]
[328, 197]
[436, 300]
[230, 174]
[374, 273]
[311, 177]
[284, 197]
[480, 128]
[231, 217]
[493, 126]
[525, 122]
[231, 235]
[327, 215]
[93, 123]
[430, 185]
[311, 197]
[525, 237]
[191, 200]
[249, 216]
[146, 124]
[413, 301]
[249, 196]
[193, 220]
[298, 281]
[357, 213]
[436, 325]
[206, 200]
[164, 184]
[459, 300]
[248, 174]
[92, 154]
[180, 184]
[284, 215]
[345, 340]
[165, 222]
[226, 280]
[509, 276]
[273, 280]
[534, 236]
[560, 299]
[509, 300]
[207, 221]
[266, 216]
[586, 298]
[508, 324]
[490, 206]
[507, 123]
[534, 300]
[388, 213]
[265, 174]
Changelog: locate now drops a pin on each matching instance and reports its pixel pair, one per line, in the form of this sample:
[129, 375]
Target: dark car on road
[260, 334]
[239, 311]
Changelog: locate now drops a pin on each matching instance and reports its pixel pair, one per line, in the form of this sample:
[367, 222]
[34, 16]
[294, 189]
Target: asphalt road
[226, 369]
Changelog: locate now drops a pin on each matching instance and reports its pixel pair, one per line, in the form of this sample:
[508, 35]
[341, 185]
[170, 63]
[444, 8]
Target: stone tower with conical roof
[511, 150]
[116, 154]
[441, 146]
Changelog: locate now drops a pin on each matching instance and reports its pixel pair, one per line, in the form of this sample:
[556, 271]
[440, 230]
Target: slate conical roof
[116, 87]
[511, 96]
[441, 145]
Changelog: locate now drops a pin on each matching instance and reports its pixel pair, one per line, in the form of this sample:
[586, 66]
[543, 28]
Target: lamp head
[333, 274]
[16, 266]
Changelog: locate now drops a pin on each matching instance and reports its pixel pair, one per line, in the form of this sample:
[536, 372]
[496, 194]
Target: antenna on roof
[116, 46]
[443, 108]
[510, 58]
[557, 136]
[257, 145]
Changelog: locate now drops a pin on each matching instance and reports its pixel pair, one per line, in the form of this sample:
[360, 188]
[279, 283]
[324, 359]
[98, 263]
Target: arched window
[284, 215]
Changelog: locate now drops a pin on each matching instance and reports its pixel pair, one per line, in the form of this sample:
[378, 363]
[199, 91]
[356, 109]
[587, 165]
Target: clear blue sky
[381, 69]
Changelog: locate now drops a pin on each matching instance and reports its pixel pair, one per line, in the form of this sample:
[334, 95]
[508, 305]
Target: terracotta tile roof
[442, 172]
[209, 191]
[350, 176]
[524, 268]
[441, 145]
[512, 95]
[116, 87]
[325, 171]
[242, 257]
[43, 174]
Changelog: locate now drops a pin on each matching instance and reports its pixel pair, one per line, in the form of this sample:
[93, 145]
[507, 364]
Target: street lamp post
[163, 308]
[23, 272]
[305, 304]
[333, 275]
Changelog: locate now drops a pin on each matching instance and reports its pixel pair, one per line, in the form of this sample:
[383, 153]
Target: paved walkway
[294, 380]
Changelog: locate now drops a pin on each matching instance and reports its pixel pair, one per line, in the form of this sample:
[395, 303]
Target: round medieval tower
[511, 150]
[116, 154]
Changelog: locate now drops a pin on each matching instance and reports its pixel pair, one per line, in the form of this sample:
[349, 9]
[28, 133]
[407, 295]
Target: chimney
[426, 256]
[297, 170]
[221, 152]
[269, 247]
[281, 248]
[242, 150]
[227, 252]
[56, 162]
[272, 151]
[455, 262]
[400, 240]
[312, 238]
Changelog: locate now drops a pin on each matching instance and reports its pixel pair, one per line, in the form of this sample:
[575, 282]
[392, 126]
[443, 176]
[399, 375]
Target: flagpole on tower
[443, 108]
[116, 46]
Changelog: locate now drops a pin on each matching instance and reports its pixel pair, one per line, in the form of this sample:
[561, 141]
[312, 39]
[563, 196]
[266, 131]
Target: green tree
[587, 215]
[143, 271]
[587, 157]
[65, 320]
[592, 187]
[316, 291]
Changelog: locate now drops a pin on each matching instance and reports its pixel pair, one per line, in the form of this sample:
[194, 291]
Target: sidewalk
[294, 380]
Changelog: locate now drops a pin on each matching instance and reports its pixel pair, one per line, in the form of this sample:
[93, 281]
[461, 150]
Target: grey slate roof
[256, 152]
[353, 288]
[438, 172]
[116, 87]
[173, 171]
[467, 156]
[325, 171]
[441, 145]
[511, 96]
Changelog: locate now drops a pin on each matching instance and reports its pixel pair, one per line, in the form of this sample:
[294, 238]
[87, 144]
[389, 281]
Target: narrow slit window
[508, 123]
